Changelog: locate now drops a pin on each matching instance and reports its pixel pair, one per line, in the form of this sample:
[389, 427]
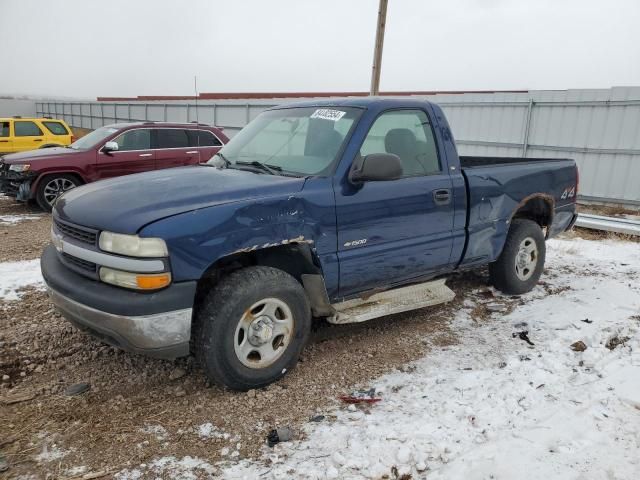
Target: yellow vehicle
[18, 134]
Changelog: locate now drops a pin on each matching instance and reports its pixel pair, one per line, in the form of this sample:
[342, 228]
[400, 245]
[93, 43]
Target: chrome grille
[82, 234]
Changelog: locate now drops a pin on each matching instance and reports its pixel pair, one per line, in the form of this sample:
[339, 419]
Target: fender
[223, 233]
[42, 173]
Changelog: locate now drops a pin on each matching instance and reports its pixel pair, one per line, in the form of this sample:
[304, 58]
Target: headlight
[20, 168]
[133, 245]
[138, 281]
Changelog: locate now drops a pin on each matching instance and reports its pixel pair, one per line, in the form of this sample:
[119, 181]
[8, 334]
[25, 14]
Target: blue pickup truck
[342, 210]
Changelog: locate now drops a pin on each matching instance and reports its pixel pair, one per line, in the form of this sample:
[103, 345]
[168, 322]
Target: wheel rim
[263, 333]
[56, 187]
[526, 259]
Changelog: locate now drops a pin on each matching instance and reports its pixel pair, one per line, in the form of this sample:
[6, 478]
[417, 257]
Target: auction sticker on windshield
[328, 114]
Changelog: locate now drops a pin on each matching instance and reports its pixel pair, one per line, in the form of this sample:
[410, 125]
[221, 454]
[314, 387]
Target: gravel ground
[22, 240]
[138, 409]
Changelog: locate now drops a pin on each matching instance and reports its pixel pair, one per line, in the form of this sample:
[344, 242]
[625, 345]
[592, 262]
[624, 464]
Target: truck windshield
[298, 141]
[93, 138]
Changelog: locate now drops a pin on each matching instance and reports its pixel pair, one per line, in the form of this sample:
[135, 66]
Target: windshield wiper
[270, 169]
[224, 159]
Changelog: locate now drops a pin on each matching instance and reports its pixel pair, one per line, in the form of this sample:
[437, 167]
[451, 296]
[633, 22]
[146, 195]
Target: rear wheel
[252, 327]
[52, 186]
[519, 266]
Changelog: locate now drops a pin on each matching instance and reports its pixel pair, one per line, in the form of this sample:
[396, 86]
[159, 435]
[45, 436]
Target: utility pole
[377, 53]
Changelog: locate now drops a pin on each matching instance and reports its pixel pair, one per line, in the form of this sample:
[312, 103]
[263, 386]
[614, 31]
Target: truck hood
[39, 154]
[126, 204]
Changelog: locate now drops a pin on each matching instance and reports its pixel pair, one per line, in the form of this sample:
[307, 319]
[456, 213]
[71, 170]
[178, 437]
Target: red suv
[109, 151]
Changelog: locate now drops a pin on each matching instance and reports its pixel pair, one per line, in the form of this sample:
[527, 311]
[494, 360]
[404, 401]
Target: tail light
[73, 138]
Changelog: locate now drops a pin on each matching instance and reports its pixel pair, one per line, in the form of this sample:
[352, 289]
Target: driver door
[393, 232]
[134, 155]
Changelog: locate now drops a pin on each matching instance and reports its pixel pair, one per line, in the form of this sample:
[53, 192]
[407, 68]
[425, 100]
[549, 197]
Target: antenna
[195, 90]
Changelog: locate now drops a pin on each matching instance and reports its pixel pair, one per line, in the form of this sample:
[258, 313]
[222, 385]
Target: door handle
[4, 141]
[145, 155]
[37, 139]
[441, 196]
[192, 152]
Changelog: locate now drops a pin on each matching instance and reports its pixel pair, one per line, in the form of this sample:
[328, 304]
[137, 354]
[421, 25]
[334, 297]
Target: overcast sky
[84, 48]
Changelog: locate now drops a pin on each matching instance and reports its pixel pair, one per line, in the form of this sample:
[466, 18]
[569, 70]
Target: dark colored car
[109, 151]
[345, 210]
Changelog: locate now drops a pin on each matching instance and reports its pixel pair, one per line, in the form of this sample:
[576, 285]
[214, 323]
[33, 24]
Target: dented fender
[200, 238]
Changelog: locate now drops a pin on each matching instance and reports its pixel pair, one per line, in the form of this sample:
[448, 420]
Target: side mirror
[110, 147]
[376, 167]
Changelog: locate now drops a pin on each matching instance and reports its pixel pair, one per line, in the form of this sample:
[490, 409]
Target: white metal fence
[598, 128]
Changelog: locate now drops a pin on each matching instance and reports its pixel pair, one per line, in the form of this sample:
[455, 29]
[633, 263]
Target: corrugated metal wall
[599, 128]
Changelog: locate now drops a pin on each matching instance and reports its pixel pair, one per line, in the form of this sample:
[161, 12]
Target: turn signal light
[136, 281]
[153, 282]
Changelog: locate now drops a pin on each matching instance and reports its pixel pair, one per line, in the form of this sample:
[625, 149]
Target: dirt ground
[139, 409]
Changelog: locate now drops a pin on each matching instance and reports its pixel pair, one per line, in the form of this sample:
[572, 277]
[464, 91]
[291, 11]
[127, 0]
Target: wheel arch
[297, 258]
[538, 207]
[36, 183]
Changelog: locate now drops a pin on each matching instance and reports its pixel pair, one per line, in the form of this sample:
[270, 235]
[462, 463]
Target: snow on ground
[490, 407]
[13, 219]
[494, 407]
[16, 275]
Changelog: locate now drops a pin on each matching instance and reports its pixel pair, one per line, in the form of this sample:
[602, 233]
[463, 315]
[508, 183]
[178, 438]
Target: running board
[392, 301]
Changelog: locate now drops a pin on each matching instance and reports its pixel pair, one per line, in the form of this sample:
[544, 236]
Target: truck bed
[497, 186]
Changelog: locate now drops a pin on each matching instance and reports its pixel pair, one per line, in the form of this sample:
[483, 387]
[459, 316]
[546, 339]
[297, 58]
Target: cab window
[4, 129]
[56, 128]
[26, 129]
[134, 140]
[407, 134]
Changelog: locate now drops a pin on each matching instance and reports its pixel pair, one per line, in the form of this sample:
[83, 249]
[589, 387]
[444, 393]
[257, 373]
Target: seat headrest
[399, 140]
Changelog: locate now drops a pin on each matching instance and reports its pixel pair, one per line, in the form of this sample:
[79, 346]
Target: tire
[519, 266]
[52, 186]
[251, 328]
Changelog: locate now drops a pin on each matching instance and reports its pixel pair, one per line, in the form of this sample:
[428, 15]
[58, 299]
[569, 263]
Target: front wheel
[252, 327]
[519, 266]
[51, 187]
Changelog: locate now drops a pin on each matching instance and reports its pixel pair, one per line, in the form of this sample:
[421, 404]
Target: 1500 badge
[355, 243]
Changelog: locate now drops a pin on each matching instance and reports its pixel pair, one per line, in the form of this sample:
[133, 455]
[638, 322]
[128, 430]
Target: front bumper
[156, 324]
[16, 184]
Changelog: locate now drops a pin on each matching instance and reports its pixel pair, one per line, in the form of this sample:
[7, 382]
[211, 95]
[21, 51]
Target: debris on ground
[317, 418]
[361, 396]
[4, 464]
[586, 320]
[17, 398]
[496, 307]
[277, 435]
[578, 346]
[523, 335]
[177, 373]
[616, 341]
[77, 389]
